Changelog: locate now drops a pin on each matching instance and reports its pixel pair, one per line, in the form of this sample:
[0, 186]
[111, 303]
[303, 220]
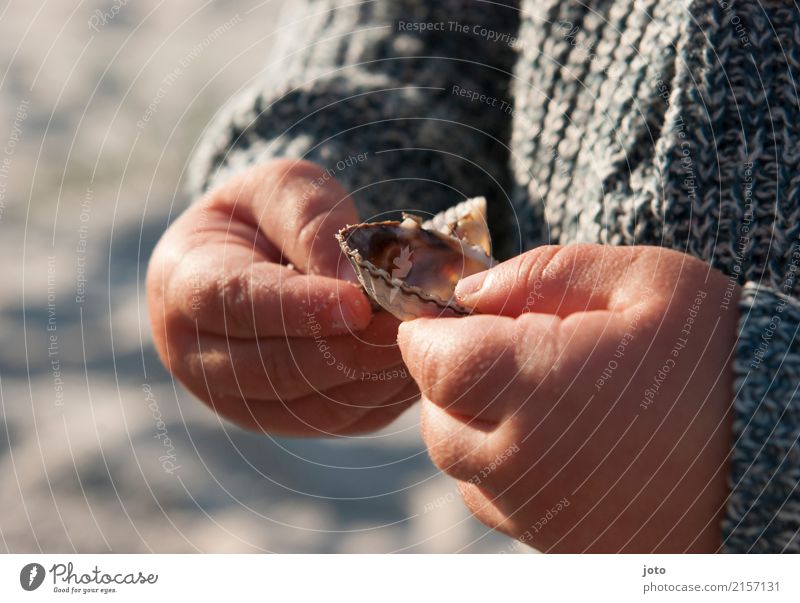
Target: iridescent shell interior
[411, 268]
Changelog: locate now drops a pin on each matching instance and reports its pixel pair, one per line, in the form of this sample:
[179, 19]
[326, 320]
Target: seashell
[410, 267]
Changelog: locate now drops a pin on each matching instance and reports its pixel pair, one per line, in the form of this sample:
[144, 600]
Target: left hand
[587, 406]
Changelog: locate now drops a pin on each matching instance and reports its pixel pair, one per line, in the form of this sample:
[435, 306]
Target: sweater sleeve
[404, 101]
[763, 512]
[732, 198]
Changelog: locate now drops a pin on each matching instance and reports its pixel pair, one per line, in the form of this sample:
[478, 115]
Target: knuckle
[541, 265]
[531, 265]
[233, 292]
[309, 230]
[552, 262]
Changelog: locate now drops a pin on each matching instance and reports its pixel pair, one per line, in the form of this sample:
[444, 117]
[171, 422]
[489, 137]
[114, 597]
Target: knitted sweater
[649, 122]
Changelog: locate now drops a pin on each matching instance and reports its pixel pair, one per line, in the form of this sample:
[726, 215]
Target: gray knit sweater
[648, 122]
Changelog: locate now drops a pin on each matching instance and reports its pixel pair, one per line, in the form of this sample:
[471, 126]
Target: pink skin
[520, 403]
[523, 406]
[273, 347]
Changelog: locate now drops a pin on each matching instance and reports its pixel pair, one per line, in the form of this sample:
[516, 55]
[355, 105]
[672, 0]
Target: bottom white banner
[400, 578]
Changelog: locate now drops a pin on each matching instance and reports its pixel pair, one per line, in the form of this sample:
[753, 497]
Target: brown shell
[411, 268]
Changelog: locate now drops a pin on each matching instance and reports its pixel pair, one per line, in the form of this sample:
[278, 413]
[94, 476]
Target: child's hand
[273, 347]
[593, 412]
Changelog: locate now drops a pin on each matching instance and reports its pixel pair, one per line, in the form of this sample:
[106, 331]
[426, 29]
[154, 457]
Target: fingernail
[347, 273]
[470, 285]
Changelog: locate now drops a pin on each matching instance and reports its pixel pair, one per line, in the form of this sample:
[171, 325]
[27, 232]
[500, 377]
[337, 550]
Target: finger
[348, 409]
[556, 280]
[299, 206]
[285, 369]
[463, 448]
[480, 366]
[481, 504]
[222, 289]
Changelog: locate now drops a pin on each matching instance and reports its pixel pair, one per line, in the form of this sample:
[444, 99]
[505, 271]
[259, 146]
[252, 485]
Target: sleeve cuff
[763, 511]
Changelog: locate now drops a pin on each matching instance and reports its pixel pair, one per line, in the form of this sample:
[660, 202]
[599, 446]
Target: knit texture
[652, 122]
[763, 516]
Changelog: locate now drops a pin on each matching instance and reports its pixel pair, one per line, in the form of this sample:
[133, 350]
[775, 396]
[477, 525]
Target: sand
[100, 450]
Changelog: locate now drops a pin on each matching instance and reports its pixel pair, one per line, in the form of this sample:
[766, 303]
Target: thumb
[552, 279]
[300, 206]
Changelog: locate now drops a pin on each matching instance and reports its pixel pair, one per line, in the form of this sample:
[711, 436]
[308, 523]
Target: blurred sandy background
[84, 194]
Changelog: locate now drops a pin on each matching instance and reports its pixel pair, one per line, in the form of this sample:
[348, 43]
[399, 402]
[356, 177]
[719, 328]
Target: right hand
[255, 309]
